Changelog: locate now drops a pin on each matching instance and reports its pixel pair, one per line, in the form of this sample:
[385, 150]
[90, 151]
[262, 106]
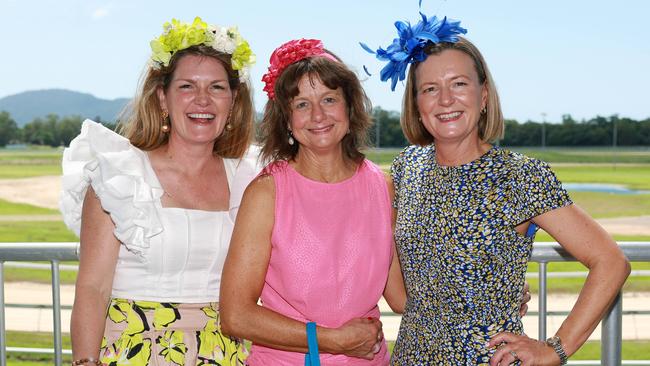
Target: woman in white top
[155, 209]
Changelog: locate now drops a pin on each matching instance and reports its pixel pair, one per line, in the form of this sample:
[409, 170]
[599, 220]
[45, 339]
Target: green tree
[67, 129]
[38, 132]
[644, 132]
[8, 129]
[51, 134]
[390, 131]
[526, 134]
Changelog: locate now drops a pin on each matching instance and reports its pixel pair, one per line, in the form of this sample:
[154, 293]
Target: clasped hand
[361, 337]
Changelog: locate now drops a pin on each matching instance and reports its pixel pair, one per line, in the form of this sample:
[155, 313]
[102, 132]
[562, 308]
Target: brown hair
[141, 121]
[490, 124]
[277, 112]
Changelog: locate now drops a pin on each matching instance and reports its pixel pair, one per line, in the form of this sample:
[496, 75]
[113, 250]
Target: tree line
[53, 130]
[598, 131]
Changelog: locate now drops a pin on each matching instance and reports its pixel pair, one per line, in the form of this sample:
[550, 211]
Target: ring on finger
[514, 354]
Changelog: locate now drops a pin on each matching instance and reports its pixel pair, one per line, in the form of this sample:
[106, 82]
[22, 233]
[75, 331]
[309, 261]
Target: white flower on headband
[223, 40]
[178, 36]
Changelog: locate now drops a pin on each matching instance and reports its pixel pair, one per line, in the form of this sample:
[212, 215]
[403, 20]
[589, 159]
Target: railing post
[56, 313]
[611, 333]
[3, 335]
[542, 302]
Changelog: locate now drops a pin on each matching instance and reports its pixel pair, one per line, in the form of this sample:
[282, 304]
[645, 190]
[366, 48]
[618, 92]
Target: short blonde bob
[490, 125]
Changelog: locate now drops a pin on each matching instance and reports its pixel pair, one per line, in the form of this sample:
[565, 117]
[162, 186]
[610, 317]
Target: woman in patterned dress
[313, 237]
[155, 209]
[468, 212]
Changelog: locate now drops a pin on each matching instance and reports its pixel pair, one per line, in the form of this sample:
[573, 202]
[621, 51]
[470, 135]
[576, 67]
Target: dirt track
[44, 192]
[38, 191]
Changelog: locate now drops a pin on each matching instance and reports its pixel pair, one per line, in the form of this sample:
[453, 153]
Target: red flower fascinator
[288, 53]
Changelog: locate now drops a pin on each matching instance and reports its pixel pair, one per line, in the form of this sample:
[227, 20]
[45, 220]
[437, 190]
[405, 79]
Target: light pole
[543, 130]
[377, 125]
[614, 139]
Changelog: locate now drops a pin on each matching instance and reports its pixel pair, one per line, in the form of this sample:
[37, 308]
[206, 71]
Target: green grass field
[8, 171]
[32, 162]
[601, 155]
[592, 155]
[35, 231]
[31, 152]
[607, 205]
[633, 176]
[12, 208]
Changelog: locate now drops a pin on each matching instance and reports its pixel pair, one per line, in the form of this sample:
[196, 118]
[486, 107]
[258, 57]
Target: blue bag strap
[312, 358]
[532, 228]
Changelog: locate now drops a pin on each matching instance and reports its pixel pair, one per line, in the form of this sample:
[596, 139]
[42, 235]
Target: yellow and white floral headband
[179, 35]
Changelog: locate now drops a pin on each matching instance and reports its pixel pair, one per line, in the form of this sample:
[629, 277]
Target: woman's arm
[97, 260]
[243, 279]
[395, 292]
[608, 268]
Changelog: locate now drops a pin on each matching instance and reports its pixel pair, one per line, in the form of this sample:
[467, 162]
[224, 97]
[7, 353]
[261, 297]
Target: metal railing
[611, 330]
[543, 253]
[53, 253]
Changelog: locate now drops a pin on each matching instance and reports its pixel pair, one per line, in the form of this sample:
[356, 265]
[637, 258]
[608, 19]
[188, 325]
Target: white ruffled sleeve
[122, 180]
[242, 172]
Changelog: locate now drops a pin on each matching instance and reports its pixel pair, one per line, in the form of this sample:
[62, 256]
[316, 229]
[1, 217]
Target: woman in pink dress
[313, 238]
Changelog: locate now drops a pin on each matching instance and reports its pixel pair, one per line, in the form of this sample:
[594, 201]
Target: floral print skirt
[153, 333]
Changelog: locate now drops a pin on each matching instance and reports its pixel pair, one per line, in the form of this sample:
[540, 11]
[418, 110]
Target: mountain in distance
[26, 106]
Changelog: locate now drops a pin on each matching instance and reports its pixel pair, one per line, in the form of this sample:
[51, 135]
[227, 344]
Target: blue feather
[409, 45]
[365, 47]
[366, 70]
[424, 18]
[387, 71]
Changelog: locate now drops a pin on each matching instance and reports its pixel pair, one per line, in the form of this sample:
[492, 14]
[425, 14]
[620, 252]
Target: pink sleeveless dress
[331, 251]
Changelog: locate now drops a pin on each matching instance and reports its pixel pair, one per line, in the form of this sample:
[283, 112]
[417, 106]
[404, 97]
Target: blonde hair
[141, 122]
[490, 124]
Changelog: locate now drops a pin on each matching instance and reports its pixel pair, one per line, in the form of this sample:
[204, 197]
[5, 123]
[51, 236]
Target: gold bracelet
[88, 360]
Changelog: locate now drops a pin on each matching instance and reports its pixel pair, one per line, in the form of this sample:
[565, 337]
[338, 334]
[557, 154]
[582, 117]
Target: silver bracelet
[556, 343]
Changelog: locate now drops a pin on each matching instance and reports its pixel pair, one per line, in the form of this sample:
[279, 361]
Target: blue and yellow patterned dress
[463, 262]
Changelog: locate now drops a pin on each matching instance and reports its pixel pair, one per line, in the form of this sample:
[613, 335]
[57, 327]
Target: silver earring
[484, 110]
[228, 126]
[291, 141]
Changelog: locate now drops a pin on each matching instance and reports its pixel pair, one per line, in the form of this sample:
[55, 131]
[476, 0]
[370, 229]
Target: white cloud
[101, 12]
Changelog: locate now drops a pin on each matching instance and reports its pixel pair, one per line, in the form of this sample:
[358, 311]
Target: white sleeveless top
[167, 254]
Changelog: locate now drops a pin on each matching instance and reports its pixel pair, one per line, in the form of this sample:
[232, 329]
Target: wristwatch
[556, 343]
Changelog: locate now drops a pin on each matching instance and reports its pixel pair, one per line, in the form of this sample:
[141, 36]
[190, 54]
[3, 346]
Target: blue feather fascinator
[409, 47]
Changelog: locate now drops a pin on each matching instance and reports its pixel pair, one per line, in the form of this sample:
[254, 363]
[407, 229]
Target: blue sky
[578, 57]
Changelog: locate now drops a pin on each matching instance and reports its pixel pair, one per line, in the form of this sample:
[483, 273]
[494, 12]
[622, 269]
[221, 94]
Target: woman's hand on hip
[511, 347]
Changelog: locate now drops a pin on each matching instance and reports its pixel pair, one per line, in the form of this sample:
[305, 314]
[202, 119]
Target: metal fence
[22, 252]
[543, 253]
